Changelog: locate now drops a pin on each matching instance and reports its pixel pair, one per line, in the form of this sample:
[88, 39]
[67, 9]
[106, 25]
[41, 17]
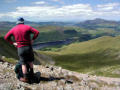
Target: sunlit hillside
[99, 56]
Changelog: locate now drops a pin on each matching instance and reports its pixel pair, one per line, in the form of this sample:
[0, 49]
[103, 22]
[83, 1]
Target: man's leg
[23, 55]
[24, 70]
[31, 67]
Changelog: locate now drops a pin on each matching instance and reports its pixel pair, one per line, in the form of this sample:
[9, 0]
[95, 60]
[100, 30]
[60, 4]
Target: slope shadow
[37, 78]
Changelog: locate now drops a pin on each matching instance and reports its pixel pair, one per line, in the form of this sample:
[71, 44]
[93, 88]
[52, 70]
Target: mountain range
[99, 23]
[86, 23]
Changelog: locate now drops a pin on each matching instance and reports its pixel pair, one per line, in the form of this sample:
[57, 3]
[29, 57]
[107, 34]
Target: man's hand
[15, 44]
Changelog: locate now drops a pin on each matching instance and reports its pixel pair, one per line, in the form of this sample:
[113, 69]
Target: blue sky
[59, 10]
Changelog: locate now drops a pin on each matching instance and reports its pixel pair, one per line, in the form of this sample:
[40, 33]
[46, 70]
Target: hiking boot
[24, 79]
[31, 73]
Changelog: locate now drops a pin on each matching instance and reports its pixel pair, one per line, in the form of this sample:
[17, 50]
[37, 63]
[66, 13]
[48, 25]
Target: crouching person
[23, 42]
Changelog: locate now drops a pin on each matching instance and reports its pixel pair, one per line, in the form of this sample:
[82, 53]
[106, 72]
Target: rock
[6, 86]
[116, 72]
[93, 85]
[1, 62]
[69, 81]
[83, 83]
[3, 57]
[61, 82]
[68, 87]
[117, 83]
[6, 64]
[51, 68]
[60, 88]
[20, 88]
[47, 66]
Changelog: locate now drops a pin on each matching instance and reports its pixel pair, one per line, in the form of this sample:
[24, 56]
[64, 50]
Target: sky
[59, 10]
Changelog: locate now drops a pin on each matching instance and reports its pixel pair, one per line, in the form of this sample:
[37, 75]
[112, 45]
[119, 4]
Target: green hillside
[100, 56]
[8, 51]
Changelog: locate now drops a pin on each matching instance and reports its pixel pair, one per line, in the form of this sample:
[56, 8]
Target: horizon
[59, 10]
[62, 21]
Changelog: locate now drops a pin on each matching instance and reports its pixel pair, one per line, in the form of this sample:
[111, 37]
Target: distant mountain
[98, 23]
[6, 24]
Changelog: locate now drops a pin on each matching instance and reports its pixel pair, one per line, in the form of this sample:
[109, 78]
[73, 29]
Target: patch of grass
[55, 48]
[107, 71]
[10, 60]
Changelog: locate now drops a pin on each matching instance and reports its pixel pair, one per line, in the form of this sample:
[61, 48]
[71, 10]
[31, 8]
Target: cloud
[109, 6]
[68, 12]
[1, 15]
[40, 2]
[52, 11]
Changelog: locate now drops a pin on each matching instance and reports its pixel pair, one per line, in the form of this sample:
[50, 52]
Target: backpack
[19, 73]
[18, 70]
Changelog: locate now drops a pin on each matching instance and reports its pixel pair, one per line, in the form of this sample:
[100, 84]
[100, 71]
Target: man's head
[20, 20]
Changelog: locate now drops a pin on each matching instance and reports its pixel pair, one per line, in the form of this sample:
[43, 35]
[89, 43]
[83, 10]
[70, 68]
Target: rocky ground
[55, 78]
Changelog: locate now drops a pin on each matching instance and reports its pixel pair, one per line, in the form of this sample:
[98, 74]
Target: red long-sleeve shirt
[21, 35]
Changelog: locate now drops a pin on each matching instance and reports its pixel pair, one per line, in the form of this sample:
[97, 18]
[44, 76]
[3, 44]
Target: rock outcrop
[55, 78]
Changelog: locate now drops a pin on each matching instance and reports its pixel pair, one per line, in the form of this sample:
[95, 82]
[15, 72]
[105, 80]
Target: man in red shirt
[23, 42]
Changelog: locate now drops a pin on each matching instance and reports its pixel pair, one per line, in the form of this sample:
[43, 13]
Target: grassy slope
[99, 56]
[7, 50]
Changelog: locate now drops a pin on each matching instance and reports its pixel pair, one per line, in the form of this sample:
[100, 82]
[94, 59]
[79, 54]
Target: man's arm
[35, 32]
[8, 37]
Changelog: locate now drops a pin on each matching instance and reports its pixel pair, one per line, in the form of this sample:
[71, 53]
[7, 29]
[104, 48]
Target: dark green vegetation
[100, 56]
[56, 33]
[52, 48]
[7, 51]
